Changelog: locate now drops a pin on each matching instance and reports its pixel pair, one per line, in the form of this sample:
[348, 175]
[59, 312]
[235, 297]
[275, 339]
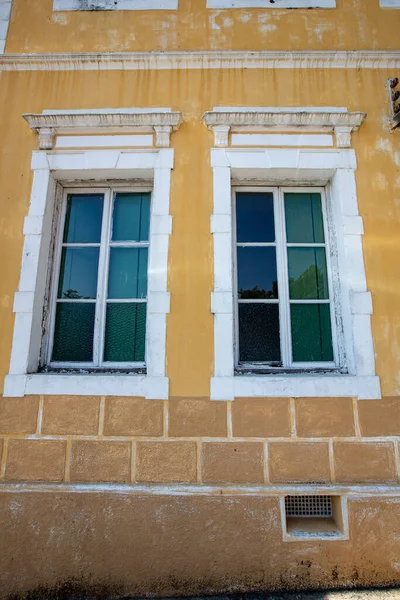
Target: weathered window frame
[49, 169]
[274, 5]
[283, 301]
[333, 169]
[96, 5]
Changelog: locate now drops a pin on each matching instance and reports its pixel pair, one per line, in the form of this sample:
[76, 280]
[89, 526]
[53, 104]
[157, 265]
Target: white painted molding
[104, 141]
[5, 12]
[281, 140]
[389, 3]
[115, 5]
[242, 59]
[48, 125]
[48, 168]
[267, 4]
[335, 169]
[341, 123]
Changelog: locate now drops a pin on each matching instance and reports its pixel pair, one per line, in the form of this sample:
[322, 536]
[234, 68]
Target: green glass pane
[125, 338]
[73, 332]
[83, 219]
[131, 217]
[311, 333]
[259, 339]
[127, 273]
[304, 222]
[308, 279]
[78, 273]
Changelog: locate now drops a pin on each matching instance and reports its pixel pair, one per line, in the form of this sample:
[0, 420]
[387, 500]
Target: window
[98, 316]
[285, 315]
[389, 3]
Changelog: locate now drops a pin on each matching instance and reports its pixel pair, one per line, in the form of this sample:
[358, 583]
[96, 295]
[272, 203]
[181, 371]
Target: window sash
[101, 301]
[284, 300]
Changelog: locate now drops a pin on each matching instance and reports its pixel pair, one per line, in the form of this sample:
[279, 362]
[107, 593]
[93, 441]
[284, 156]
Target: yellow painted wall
[190, 325]
[354, 25]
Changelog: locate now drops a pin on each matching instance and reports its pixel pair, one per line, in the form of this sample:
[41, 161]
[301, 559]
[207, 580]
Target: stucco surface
[142, 545]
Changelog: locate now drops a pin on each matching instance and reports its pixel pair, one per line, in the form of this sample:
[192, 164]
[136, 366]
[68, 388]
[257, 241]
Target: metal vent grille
[308, 506]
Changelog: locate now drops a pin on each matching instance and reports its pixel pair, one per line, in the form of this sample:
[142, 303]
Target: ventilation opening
[314, 516]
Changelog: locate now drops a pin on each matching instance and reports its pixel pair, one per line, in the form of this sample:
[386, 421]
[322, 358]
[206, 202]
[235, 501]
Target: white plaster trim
[50, 125]
[5, 12]
[115, 5]
[389, 3]
[145, 61]
[277, 490]
[29, 300]
[267, 4]
[278, 109]
[331, 168]
[106, 111]
[104, 141]
[282, 140]
[341, 123]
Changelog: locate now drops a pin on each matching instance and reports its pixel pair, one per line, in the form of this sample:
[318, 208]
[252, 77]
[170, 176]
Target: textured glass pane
[308, 278]
[125, 332]
[304, 222]
[131, 217]
[259, 339]
[311, 333]
[257, 276]
[73, 333]
[255, 217]
[128, 273]
[83, 219]
[78, 273]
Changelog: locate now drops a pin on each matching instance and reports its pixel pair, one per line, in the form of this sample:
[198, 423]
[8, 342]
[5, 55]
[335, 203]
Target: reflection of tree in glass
[257, 294]
[73, 295]
[310, 285]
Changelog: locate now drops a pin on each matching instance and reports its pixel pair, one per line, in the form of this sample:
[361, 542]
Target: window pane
[255, 217]
[73, 333]
[257, 277]
[259, 339]
[78, 273]
[131, 217]
[83, 219]
[311, 333]
[304, 223]
[128, 273]
[308, 278]
[125, 332]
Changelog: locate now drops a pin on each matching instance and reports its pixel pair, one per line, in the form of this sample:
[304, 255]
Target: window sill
[265, 4]
[93, 384]
[304, 385]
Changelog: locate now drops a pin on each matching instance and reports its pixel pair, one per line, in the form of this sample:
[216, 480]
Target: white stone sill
[266, 4]
[152, 388]
[295, 386]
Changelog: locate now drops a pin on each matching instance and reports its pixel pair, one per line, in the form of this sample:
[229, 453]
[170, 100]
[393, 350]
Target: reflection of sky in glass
[257, 269]
[78, 273]
[83, 219]
[131, 217]
[255, 217]
[128, 273]
[304, 222]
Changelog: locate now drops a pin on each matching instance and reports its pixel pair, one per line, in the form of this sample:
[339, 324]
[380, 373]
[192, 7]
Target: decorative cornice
[330, 59]
[342, 123]
[49, 125]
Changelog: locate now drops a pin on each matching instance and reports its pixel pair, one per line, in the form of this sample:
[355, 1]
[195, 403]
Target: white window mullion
[283, 280]
[102, 283]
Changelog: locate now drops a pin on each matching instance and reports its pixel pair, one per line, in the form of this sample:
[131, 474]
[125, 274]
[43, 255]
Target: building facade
[199, 324]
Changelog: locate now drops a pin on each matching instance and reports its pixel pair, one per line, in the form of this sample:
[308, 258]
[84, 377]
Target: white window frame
[49, 169]
[267, 4]
[333, 169]
[96, 5]
[100, 301]
[389, 3]
[283, 283]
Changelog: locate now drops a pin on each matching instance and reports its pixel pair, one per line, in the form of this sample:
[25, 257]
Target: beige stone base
[163, 545]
